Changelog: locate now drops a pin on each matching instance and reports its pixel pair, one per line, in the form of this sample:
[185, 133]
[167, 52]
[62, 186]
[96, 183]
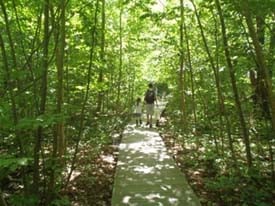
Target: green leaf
[9, 164]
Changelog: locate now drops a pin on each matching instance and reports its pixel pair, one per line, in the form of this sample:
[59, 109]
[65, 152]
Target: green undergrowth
[211, 171]
[92, 178]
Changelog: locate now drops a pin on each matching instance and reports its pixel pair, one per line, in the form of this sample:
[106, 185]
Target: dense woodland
[71, 70]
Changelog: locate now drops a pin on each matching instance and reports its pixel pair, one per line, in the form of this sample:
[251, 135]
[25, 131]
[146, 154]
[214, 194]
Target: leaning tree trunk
[260, 61]
[266, 73]
[222, 110]
[234, 87]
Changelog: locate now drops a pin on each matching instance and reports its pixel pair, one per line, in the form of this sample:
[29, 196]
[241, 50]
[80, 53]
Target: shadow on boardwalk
[147, 175]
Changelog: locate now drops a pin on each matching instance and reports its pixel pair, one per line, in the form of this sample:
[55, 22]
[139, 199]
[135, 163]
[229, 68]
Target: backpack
[150, 96]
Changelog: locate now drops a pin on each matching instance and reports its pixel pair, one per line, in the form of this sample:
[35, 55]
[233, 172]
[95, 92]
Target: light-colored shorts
[150, 109]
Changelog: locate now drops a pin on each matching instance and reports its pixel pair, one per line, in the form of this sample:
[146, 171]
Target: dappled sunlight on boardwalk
[147, 175]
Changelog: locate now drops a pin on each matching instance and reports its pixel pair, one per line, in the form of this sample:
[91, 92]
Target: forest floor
[214, 187]
[94, 181]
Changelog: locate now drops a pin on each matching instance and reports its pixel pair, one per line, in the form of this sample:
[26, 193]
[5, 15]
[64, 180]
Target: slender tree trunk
[271, 155]
[259, 85]
[222, 110]
[102, 58]
[181, 60]
[261, 29]
[234, 87]
[120, 55]
[60, 77]
[11, 83]
[43, 96]
[59, 135]
[271, 68]
[86, 96]
[191, 72]
[13, 53]
[271, 59]
[224, 116]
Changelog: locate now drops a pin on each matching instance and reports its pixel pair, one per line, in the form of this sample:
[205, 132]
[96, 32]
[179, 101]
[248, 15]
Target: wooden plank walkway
[147, 175]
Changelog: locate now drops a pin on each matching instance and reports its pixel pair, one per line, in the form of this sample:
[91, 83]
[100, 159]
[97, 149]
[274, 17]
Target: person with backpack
[150, 99]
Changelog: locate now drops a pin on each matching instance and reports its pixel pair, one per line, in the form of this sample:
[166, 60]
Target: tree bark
[222, 109]
[102, 58]
[181, 61]
[260, 61]
[86, 96]
[59, 146]
[60, 78]
[13, 53]
[191, 72]
[234, 87]
[271, 59]
[120, 55]
[43, 96]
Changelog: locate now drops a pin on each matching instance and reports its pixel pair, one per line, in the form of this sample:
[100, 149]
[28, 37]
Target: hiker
[138, 111]
[150, 99]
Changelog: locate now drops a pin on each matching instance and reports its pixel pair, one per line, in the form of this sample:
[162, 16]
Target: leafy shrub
[9, 164]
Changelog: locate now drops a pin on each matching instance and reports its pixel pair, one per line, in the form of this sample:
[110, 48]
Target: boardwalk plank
[147, 175]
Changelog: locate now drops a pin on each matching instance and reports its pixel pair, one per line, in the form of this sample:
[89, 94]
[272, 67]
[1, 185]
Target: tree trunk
[60, 78]
[43, 96]
[84, 102]
[102, 58]
[271, 155]
[271, 59]
[13, 53]
[260, 61]
[11, 84]
[181, 74]
[191, 72]
[120, 55]
[234, 87]
[260, 87]
[222, 110]
[59, 135]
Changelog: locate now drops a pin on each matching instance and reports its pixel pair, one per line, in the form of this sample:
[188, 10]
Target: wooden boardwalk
[147, 175]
